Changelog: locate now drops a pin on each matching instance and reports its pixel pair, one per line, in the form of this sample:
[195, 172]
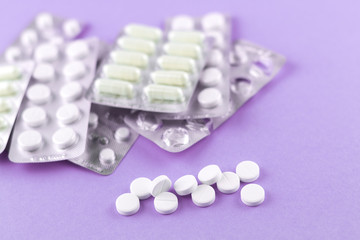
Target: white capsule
[71, 91]
[114, 87]
[74, 70]
[77, 49]
[64, 138]
[228, 183]
[44, 72]
[175, 63]
[248, 171]
[164, 93]
[122, 134]
[252, 195]
[13, 54]
[142, 31]
[211, 77]
[189, 50]
[213, 21]
[38, 93]
[172, 78]
[34, 116]
[72, 28]
[216, 58]
[135, 59]
[209, 98]
[3, 123]
[127, 204]
[166, 203]
[29, 38]
[203, 196]
[186, 37]
[137, 45]
[141, 187]
[185, 185]
[7, 89]
[29, 140]
[209, 174]
[9, 72]
[44, 21]
[46, 52]
[160, 184]
[5, 105]
[182, 22]
[68, 113]
[125, 73]
[107, 156]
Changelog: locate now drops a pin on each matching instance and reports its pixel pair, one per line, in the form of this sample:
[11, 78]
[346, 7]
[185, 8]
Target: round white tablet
[218, 38]
[44, 21]
[252, 195]
[209, 174]
[77, 49]
[211, 76]
[248, 171]
[141, 187]
[74, 70]
[160, 184]
[216, 58]
[71, 91]
[64, 137]
[166, 203]
[213, 21]
[228, 183]
[122, 134]
[209, 98]
[93, 119]
[12, 54]
[182, 22]
[71, 28]
[29, 38]
[68, 113]
[44, 72]
[29, 140]
[185, 185]
[38, 93]
[34, 116]
[203, 196]
[46, 52]
[127, 204]
[107, 156]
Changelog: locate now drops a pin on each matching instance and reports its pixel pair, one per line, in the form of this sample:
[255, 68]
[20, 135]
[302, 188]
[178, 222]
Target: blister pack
[212, 95]
[108, 140]
[14, 79]
[149, 70]
[53, 118]
[44, 28]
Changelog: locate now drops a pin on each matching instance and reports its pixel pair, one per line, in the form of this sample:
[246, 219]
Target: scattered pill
[211, 76]
[77, 50]
[141, 187]
[114, 87]
[182, 22]
[44, 72]
[156, 92]
[72, 28]
[127, 204]
[46, 52]
[166, 203]
[64, 137]
[185, 185]
[71, 91]
[68, 113]
[172, 78]
[125, 73]
[160, 184]
[209, 98]
[209, 174]
[228, 183]
[252, 195]
[213, 21]
[38, 93]
[203, 196]
[142, 31]
[29, 140]
[248, 171]
[34, 116]
[29, 38]
[122, 134]
[74, 70]
[136, 45]
[107, 156]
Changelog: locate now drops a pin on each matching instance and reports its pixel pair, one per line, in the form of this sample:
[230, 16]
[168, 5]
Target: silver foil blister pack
[53, 117]
[108, 140]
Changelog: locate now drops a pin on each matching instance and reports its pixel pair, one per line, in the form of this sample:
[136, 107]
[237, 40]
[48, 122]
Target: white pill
[127, 204]
[209, 98]
[107, 156]
[211, 76]
[114, 87]
[185, 185]
[44, 21]
[142, 31]
[46, 52]
[44, 72]
[3, 123]
[38, 93]
[141, 187]
[252, 195]
[156, 92]
[5, 105]
[34, 116]
[209, 174]
[248, 171]
[136, 45]
[124, 73]
[189, 50]
[68, 113]
[166, 203]
[93, 119]
[74, 70]
[122, 134]
[216, 58]
[160, 184]
[29, 38]
[185, 64]
[13, 54]
[29, 140]
[196, 37]
[172, 78]
[8, 89]
[213, 21]
[72, 28]
[77, 49]
[71, 91]
[182, 22]
[218, 38]
[228, 183]
[203, 196]
[135, 59]
[9, 72]
[64, 137]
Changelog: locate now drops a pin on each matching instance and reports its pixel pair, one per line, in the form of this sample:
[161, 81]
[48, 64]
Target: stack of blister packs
[65, 97]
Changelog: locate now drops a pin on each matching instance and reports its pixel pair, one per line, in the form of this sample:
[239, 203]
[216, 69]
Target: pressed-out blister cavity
[212, 95]
[148, 69]
[14, 79]
[108, 140]
[55, 112]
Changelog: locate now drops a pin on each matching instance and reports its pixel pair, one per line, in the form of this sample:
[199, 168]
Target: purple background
[302, 129]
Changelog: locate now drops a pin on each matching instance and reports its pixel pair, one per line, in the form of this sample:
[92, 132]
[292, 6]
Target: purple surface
[302, 129]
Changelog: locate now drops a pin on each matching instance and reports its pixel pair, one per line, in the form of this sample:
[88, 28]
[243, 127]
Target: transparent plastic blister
[108, 140]
[53, 117]
[44, 28]
[212, 94]
[14, 79]
[148, 70]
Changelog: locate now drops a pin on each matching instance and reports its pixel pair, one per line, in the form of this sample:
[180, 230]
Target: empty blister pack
[212, 94]
[53, 118]
[14, 79]
[148, 71]
[44, 28]
[108, 140]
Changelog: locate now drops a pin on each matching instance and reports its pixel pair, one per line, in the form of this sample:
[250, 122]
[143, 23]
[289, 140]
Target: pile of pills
[202, 195]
